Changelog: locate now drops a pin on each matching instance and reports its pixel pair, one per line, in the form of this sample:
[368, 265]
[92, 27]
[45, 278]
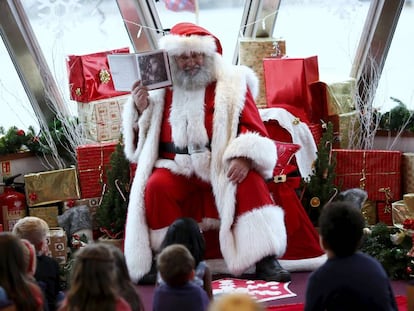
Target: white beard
[205, 75]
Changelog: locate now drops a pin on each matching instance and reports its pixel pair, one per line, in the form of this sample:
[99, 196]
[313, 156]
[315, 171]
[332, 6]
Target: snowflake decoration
[53, 14]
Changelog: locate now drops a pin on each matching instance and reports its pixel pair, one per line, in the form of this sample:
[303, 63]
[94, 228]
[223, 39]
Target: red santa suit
[206, 129]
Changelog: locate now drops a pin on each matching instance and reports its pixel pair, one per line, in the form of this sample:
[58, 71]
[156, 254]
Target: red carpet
[261, 290]
[401, 302]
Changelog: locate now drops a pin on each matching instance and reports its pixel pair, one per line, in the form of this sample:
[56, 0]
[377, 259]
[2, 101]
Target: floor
[297, 285]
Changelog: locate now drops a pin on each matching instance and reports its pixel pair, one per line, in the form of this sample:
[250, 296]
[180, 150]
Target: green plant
[111, 214]
[390, 246]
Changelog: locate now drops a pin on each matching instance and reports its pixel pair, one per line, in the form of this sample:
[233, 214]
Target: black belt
[171, 148]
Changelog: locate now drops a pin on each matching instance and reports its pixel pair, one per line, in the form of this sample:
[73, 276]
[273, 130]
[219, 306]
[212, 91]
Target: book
[152, 68]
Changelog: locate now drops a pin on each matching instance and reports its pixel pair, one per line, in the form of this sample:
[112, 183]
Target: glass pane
[75, 27]
[16, 109]
[221, 17]
[396, 79]
[328, 29]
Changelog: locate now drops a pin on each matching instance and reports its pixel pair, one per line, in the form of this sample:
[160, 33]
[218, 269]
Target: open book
[152, 68]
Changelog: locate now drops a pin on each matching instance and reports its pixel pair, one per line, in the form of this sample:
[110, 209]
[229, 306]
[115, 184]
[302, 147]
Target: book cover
[152, 68]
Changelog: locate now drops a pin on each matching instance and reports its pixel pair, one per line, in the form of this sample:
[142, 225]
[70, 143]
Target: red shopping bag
[287, 81]
[90, 78]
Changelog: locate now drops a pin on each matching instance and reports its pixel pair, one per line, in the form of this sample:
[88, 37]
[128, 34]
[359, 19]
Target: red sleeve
[250, 120]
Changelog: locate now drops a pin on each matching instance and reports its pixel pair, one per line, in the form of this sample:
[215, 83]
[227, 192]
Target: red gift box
[287, 81]
[375, 171]
[90, 78]
[93, 160]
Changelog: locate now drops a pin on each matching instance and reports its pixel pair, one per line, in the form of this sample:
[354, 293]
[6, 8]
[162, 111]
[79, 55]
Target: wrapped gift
[349, 127]
[51, 186]
[47, 213]
[101, 119]
[252, 51]
[90, 78]
[401, 212]
[93, 159]
[91, 203]
[57, 242]
[376, 171]
[287, 81]
[369, 211]
[407, 169]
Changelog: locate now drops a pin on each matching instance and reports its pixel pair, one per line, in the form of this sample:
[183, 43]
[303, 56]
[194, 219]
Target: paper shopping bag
[90, 78]
[287, 81]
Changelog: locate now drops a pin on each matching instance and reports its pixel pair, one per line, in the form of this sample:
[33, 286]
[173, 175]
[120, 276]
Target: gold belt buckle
[279, 178]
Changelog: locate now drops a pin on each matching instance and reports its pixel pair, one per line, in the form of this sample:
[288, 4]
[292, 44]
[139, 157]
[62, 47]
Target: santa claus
[202, 151]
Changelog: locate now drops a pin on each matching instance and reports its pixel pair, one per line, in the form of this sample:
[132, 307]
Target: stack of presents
[291, 95]
[293, 85]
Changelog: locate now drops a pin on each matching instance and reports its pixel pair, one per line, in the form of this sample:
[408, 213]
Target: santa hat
[187, 37]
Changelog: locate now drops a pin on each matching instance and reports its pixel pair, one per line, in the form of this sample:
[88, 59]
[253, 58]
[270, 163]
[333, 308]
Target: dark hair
[175, 264]
[341, 226]
[186, 231]
[93, 285]
[123, 280]
[13, 275]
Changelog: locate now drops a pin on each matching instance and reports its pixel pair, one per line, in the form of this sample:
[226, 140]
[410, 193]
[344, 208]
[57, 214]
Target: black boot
[151, 277]
[269, 269]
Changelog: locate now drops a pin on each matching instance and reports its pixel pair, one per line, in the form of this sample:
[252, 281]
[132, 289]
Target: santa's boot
[269, 269]
[151, 277]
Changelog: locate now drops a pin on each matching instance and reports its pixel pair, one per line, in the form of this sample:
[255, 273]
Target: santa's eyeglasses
[186, 57]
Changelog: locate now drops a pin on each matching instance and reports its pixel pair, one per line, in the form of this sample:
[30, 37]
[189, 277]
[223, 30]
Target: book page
[124, 70]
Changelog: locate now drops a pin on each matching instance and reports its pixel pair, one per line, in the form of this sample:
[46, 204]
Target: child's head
[33, 229]
[93, 285]
[341, 227]
[29, 257]
[120, 263]
[12, 260]
[186, 231]
[236, 302]
[176, 265]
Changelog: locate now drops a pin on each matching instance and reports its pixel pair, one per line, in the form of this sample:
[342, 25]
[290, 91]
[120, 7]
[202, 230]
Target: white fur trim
[156, 237]
[261, 150]
[177, 45]
[301, 135]
[243, 244]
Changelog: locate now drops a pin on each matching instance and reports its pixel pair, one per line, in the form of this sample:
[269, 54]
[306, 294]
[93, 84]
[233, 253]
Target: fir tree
[111, 214]
[319, 188]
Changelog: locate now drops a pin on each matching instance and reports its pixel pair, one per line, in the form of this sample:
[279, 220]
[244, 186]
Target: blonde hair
[33, 229]
[236, 302]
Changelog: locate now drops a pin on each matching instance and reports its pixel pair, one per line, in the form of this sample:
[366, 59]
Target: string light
[163, 31]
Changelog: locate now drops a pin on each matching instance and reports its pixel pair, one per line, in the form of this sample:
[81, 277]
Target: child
[349, 279]
[93, 281]
[126, 287]
[23, 292]
[186, 231]
[36, 230]
[176, 267]
[30, 258]
[236, 302]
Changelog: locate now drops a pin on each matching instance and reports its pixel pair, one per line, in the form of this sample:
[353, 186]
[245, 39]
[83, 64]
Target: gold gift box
[51, 186]
[47, 213]
[251, 53]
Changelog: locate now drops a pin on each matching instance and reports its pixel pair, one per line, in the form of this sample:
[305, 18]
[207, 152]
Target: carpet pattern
[260, 290]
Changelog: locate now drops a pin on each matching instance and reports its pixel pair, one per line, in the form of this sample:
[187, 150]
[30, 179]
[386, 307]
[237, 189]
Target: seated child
[185, 231]
[93, 283]
[176, 267]
[349, 279]
[36, 230]
[126, 287]
[18, 287]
